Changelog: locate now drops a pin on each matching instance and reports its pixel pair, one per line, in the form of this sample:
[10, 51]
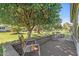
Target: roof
[2, 25]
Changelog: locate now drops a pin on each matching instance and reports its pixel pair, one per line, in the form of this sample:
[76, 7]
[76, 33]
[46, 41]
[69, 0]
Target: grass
[66, 34]
[9, 36]
[1, 50]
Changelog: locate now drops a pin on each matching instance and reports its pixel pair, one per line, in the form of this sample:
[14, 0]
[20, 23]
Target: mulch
[18, 48]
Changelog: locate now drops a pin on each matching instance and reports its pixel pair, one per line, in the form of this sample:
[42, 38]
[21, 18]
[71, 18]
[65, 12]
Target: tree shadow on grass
[14, 33]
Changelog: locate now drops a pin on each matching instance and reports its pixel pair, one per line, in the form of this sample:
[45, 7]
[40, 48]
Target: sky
[65, 12]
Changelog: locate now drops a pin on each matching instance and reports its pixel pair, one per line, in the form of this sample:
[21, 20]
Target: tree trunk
[28, 37]
[29, 34]
[38, 30]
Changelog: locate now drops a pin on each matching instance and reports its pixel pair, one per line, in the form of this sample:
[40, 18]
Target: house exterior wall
[3, 29]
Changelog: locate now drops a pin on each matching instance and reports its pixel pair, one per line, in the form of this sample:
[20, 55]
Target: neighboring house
[4, 28]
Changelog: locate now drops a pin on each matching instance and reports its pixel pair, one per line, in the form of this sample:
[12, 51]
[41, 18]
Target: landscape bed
[42, 40]
[1, 50]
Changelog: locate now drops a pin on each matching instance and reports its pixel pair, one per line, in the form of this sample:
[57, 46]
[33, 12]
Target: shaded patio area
[58, 48]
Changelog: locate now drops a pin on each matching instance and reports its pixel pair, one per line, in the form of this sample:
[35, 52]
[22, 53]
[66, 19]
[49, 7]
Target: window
[3, 27]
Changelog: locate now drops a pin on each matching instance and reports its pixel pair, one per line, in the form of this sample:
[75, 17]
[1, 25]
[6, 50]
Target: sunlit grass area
[1, 50]
[9, 36]
[66, 33]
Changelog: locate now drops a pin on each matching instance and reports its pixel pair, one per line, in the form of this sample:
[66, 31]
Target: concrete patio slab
[58, 48]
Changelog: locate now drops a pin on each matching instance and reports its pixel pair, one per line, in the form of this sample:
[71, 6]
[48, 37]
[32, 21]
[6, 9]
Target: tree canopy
[30, 15]
[67, 26]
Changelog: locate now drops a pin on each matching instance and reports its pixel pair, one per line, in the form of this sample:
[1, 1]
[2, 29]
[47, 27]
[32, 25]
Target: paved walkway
[58, 47]
[8, 50]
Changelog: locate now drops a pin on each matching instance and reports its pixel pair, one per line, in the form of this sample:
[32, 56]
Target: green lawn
[1, 50]
[9, 36]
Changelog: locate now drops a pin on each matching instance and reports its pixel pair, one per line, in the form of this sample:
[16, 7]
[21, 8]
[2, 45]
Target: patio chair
[28, 49]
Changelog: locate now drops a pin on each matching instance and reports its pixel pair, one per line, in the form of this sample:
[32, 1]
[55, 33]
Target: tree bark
[29, 34]
[38, 30]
